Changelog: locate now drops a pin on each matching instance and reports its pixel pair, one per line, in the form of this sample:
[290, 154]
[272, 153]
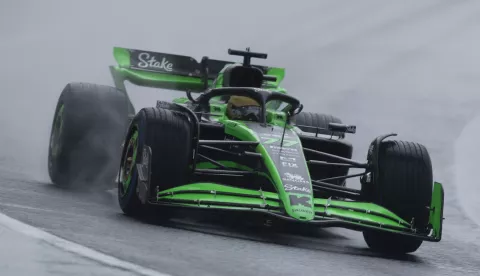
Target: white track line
[77, 249]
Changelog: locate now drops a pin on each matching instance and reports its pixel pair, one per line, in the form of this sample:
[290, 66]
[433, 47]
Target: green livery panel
[287, 170]
[176, 72]
[280, 148]
[436, 210]
[287, 166]
[349, 214]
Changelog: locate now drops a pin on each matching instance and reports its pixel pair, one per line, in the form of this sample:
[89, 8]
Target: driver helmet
[243, 108]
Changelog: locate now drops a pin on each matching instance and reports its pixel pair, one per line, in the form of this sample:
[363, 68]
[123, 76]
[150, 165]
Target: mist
[410, 67]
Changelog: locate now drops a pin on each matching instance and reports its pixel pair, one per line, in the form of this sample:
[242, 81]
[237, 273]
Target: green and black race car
[239, 143]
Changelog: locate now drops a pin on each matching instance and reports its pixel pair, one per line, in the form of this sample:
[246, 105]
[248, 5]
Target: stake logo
[290, 187]
[148, 61]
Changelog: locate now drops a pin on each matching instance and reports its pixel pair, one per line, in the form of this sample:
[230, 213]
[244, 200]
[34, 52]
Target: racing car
[238, 142]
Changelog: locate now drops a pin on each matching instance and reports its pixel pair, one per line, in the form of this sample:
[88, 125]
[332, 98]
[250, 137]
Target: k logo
[302, 200]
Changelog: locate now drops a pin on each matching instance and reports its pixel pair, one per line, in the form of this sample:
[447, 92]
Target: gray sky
[406, 66]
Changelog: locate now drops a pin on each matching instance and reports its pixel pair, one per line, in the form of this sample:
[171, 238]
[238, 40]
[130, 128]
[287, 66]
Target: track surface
[410, 67]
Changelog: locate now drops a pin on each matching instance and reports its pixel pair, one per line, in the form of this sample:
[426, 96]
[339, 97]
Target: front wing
[328, 213]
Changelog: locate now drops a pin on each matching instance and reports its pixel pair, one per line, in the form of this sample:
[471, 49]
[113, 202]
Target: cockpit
[238, 93]
[243, 108]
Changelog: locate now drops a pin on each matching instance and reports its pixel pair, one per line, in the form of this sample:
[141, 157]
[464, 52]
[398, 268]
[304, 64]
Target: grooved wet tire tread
[95, 121]
[169, 135]
[405, 184]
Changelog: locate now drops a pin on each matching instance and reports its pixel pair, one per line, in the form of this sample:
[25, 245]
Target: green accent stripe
[229, 165]
[196, 193]
[436, 214]
[371, 207]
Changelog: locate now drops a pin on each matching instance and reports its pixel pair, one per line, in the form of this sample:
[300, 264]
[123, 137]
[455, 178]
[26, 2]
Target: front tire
[169, 136]
[404, 186]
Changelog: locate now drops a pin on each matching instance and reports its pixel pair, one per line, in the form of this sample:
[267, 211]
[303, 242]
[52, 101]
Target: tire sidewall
[67, 141]
[130, 196]
[53, 162]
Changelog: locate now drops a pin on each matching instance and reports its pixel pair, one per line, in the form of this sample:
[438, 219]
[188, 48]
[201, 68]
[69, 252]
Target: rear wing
[171, 71]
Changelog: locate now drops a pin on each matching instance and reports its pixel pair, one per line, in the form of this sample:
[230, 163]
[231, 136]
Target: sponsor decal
[294, 182]
[303, 200]
[289, 159]
[149, 61]
[286, 142]
[302, 211]
[165, 63]
[268, 135]
[278, 148]
[289, 165]
[293, 177]
[290, 187]
[285, 149]
[285, 154]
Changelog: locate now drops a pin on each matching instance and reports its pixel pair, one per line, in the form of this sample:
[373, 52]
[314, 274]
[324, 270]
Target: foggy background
[411, 67]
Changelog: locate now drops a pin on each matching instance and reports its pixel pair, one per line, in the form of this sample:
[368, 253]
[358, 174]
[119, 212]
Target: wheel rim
[129, 161]
[57, 129]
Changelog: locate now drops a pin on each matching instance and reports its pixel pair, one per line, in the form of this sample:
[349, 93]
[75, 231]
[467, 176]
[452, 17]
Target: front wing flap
[328, 213]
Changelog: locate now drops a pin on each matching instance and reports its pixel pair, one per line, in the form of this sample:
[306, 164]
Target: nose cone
[283, 157]
[288, 168]
[301, 206]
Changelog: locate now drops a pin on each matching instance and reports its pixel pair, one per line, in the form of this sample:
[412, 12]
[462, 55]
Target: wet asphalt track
[410, 67]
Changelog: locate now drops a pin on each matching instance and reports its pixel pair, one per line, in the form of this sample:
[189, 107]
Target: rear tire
[85, 142]
[169, 135]
[308, 122]
[404, 186]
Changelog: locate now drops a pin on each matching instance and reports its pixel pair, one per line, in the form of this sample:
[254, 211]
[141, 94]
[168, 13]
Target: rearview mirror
[335, 127]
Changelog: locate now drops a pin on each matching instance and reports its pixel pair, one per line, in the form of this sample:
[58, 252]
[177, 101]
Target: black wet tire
[95, 119]
[404, 186]
[309, 121]
[169, 135]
